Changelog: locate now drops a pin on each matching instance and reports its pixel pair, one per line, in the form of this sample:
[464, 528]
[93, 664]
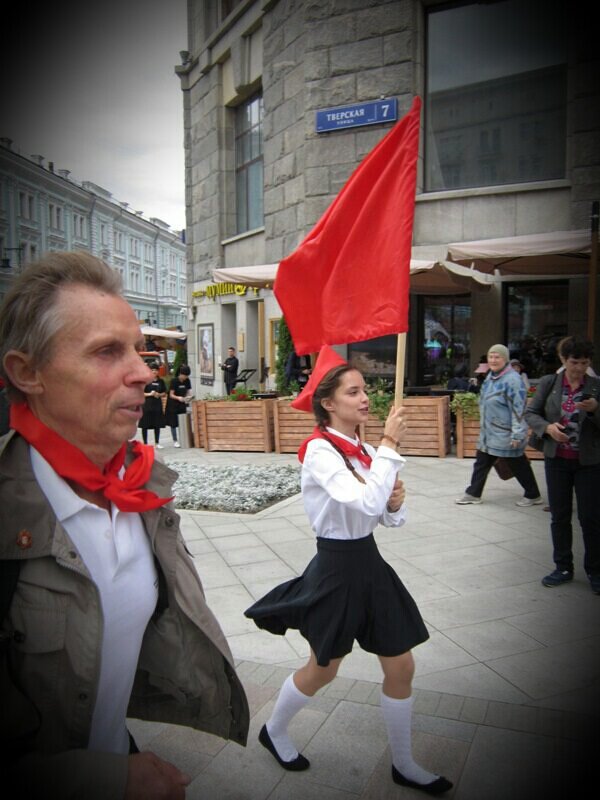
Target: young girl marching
[348, 592]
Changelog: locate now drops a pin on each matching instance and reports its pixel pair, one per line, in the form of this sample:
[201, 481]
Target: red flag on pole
[348, 280]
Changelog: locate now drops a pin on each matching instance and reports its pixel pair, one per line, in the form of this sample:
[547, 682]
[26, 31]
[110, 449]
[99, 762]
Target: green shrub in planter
[467, 403]
[380, 399]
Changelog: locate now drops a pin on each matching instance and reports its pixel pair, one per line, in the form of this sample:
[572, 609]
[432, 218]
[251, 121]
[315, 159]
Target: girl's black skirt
[346, 592]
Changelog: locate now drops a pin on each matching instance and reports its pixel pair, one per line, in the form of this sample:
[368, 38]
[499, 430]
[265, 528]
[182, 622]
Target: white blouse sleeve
[327, 468]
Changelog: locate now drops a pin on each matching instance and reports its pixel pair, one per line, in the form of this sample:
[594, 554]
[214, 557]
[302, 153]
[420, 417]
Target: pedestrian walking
[348, 592]
[103, 613]
[503, 430]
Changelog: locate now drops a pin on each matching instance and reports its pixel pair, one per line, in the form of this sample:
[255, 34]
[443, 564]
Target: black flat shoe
[437, 786]
[298, 764]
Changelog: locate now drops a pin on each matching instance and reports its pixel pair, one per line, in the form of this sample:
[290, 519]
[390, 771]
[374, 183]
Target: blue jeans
[563, 475]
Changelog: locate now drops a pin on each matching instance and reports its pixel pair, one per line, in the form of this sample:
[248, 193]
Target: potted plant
[428, 421]
[237, 422]
[240, 393]
[465, 407]
[465, 403]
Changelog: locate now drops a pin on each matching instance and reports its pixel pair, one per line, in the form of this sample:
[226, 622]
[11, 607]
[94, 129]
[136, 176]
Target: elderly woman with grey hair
[503, 430]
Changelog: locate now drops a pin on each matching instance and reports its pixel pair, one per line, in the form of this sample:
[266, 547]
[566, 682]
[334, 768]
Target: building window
[496, 105]
[445, 342]
[55, 217]
[537, 318]
[134, 247]
[79, 226]
[249, 165]
[26, 206]
[215, 12]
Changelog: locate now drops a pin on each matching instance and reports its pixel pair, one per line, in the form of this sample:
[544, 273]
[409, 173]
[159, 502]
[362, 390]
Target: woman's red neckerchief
[351, 449]
[72, 465]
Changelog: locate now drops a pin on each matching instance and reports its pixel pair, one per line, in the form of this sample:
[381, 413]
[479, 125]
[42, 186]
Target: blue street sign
[373, 113]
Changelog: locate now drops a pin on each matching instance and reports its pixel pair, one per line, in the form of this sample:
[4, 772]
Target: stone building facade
[44, 210]
[536, 169]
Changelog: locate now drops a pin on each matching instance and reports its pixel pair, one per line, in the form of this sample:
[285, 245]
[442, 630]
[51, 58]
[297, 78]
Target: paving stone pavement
[507, 689]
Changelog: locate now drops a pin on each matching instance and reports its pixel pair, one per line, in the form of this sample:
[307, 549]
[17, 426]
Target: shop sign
[373, 113]
[214, 290]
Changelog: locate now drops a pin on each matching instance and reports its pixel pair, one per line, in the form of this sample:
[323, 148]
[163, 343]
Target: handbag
[535, 441]
[503, 468]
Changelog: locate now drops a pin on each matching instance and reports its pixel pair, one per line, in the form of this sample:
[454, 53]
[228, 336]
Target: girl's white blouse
[341, 507]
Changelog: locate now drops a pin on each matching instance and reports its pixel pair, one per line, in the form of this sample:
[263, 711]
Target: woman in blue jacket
[503, 430]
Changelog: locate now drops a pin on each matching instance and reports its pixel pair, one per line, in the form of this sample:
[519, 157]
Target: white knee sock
[290, 701]
[398, 719]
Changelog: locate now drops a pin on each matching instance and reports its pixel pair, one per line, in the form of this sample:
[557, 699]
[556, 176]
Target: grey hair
[29, 315]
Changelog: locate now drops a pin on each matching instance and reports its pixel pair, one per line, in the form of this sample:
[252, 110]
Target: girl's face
[349, 404]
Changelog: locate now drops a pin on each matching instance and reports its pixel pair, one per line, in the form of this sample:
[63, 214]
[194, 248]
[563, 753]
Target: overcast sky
[91, 87]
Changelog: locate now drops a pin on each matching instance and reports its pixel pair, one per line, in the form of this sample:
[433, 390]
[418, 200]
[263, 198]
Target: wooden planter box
[428, 433]
[244, 425]
[197, 429]
[428, 427]
[467, 434]
[291, 427]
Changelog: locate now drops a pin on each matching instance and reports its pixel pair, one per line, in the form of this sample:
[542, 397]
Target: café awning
[444, 277]
[538, 254]
[261, 276]
[161, 333]
[426, 277]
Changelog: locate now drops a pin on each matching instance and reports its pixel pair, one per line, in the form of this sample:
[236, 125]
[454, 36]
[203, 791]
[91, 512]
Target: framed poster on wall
[206, 353]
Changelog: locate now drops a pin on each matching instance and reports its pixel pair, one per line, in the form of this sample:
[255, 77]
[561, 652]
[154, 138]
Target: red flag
[348, 279]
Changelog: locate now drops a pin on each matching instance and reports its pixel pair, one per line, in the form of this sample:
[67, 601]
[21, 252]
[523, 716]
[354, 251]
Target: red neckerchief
[70, 463]
[495, 375]
[348, 448]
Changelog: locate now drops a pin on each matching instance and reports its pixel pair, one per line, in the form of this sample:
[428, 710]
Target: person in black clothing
[180, 387]
[459, 380]
[230, 368]
[153, 416]
[298, 369]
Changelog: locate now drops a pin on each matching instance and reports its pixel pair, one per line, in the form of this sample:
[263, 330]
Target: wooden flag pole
[400, 355]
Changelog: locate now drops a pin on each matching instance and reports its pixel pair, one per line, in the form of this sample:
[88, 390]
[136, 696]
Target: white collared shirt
[117, 553]
[336, 503]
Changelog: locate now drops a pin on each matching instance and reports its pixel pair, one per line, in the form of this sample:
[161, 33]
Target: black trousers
[563, 476]
[156, 435]
[520, 466]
